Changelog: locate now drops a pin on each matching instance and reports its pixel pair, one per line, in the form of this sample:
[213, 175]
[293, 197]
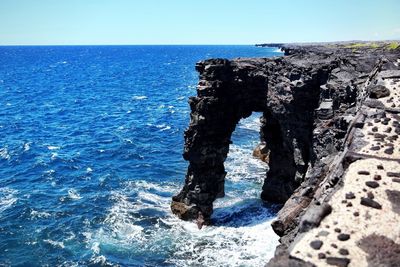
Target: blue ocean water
[91, 139]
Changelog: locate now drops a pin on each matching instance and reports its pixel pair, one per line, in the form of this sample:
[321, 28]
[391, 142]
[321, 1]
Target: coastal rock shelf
[329, 132]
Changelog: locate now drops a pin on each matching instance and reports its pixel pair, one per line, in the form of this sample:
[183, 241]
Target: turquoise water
[91, 139]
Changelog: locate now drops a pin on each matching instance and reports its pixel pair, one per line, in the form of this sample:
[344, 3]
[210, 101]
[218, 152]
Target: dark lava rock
[314, 216]
[393, 174]
[323, 233]
[284, 260]
[394, 198]
[340, 262]
[363, 172]
[316, 244]
[343, 237]
[396, 180]
[377, 177]
[350, 195]
[378, 91]
[370, 203]
[375, 148]
[321, 255]
[389, 150]
[372, 184]
[381, 250]
[343, 252]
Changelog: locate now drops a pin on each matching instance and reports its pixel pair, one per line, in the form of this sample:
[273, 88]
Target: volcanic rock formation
[319, 106]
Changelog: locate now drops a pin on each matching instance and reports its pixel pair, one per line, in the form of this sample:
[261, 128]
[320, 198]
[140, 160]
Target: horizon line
[118, 44]
[207, 44]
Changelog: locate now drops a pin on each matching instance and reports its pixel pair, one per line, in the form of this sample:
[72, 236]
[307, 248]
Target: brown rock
[340, 262]
[393, 174]
[350, 195]
[316, 244]
[372, 184]
[377, 177]
[343, 237]
[381, 250]
[370, 203]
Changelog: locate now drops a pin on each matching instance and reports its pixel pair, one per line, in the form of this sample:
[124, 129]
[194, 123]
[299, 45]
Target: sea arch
[229, 91]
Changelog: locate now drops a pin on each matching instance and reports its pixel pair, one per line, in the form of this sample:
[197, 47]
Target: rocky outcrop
[352, 216]
[312, 100]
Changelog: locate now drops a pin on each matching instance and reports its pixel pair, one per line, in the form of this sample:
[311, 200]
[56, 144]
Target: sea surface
[91, 142]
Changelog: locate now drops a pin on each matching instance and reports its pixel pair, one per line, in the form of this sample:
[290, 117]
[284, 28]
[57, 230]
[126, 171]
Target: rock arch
[228, 91]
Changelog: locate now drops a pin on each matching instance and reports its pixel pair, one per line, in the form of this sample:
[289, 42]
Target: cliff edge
[329, 133]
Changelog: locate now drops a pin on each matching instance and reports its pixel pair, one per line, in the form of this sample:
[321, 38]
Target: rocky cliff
[322, 106]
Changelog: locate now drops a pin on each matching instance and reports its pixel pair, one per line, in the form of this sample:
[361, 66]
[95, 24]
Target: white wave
[39, 214]
[95, 247]
[242, 246]
[54, 156]
[141, 185]
[69, 264]
[163, 127]
[89, 170]
[59, 244]
[251, 243]
[53, 147]
[250, 123]
[50, 172]
[278, 50]
[139, 97]
[241, 165]
[7, 198]
[4, 153]
[73, 194]
[27, 146]
[98, 260]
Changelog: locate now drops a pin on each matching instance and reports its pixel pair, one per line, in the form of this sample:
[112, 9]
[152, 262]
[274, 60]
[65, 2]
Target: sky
[101, 22]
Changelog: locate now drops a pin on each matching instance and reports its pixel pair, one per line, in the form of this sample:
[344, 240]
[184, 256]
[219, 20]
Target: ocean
[91, 142]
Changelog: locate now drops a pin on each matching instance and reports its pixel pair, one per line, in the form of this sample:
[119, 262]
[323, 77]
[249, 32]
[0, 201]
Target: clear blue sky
[195, 21]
